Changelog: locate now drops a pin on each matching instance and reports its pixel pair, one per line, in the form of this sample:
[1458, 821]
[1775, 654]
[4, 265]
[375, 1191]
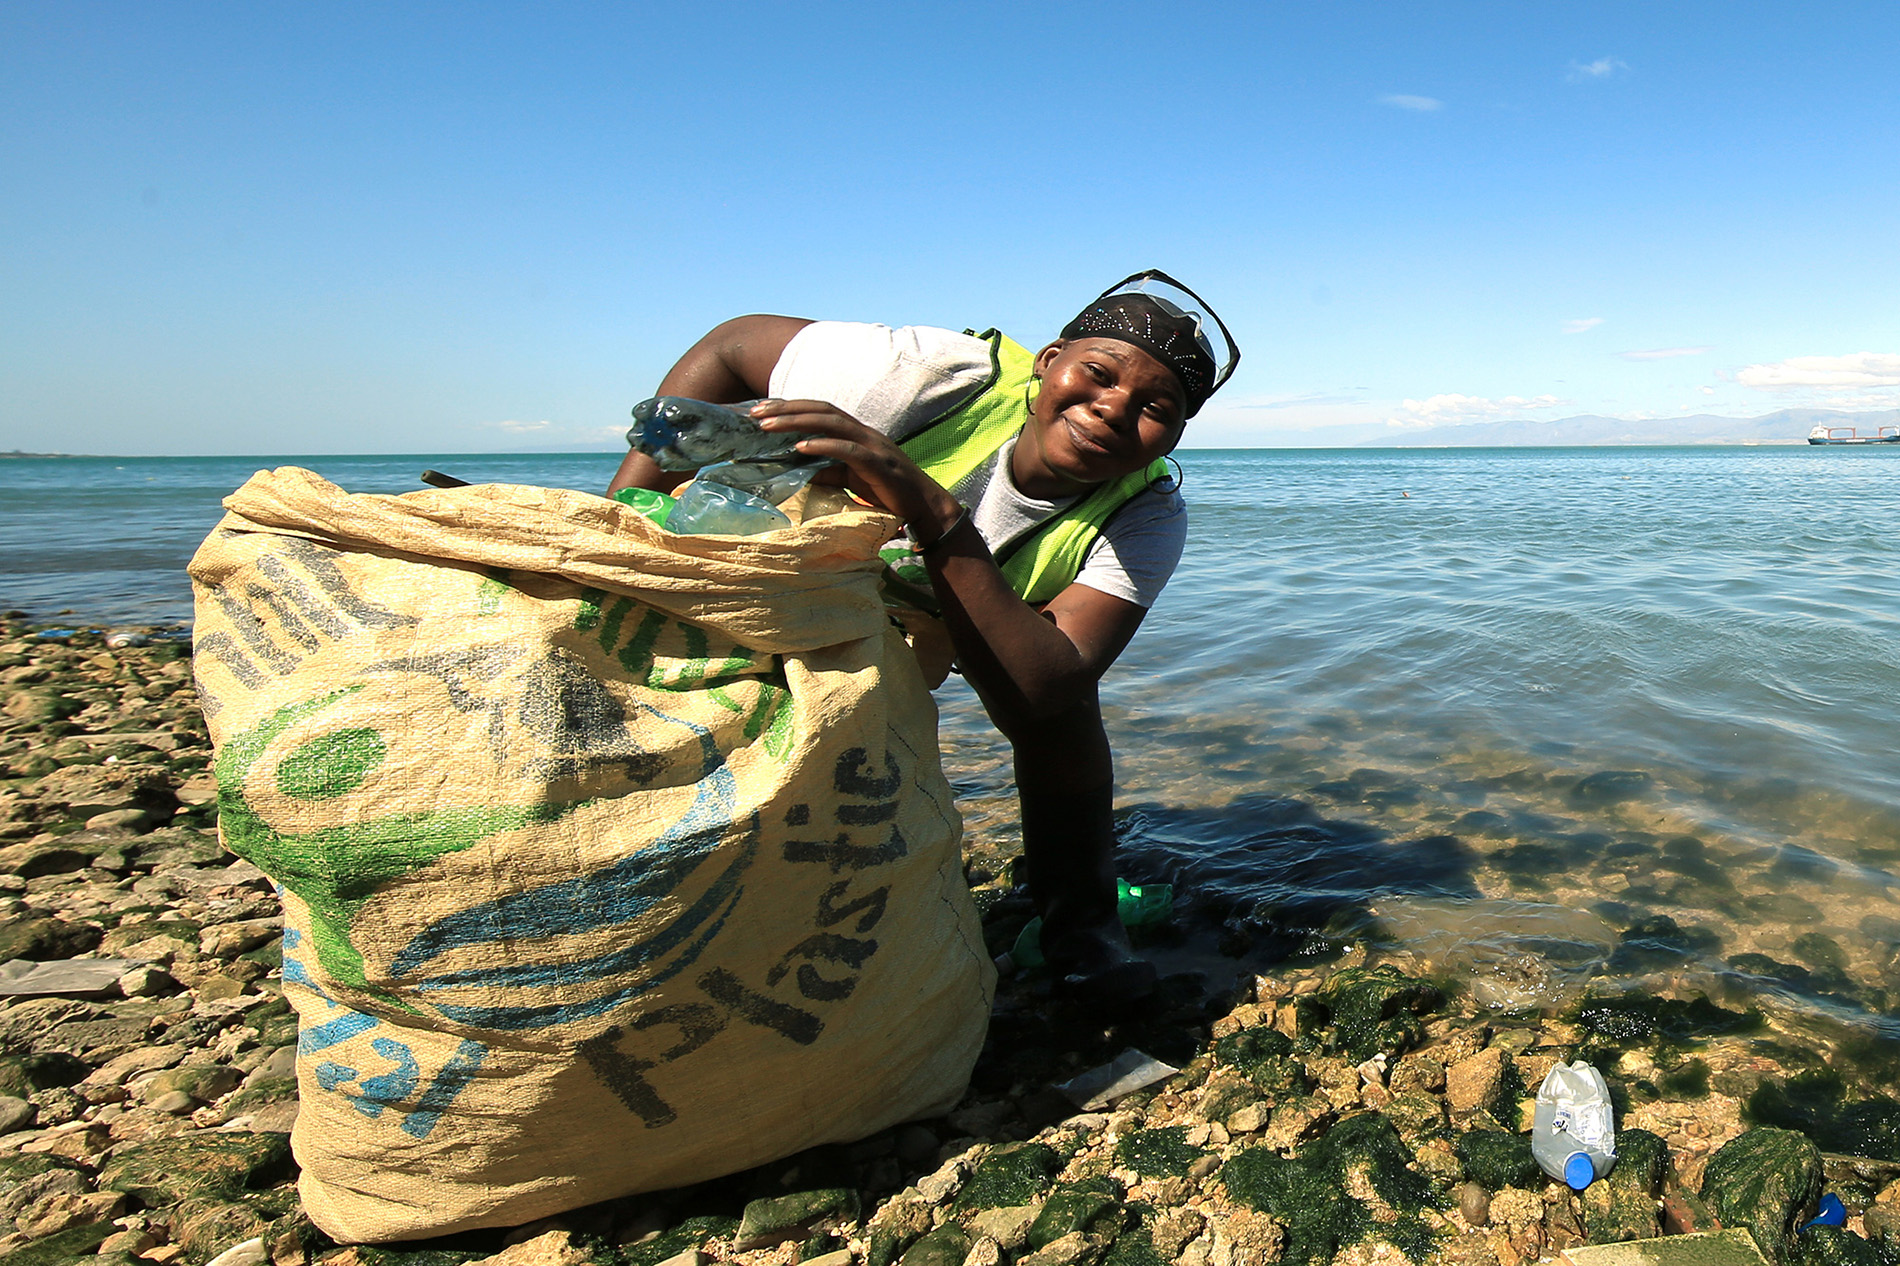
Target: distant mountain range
[1787, 426]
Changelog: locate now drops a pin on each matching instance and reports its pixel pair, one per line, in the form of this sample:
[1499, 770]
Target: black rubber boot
[1069, 855]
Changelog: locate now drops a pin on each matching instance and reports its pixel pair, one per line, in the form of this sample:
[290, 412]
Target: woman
[1037, 506]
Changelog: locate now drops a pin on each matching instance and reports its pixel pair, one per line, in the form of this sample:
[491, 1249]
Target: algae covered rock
[1348, 1184]
[204, 1165]
[690, 1234]
[1090, 1207]
[1159, 1153]
[778, 1218]
[1264, 1058]
[1766, 1180]
[945, 1246]
[1376, 1009]
[1495, 1159]
[1622, 1204]
[1833, 1246]
[1008, 1176]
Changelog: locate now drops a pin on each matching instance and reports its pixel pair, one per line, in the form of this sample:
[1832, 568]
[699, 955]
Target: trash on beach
[744, 472]
[1830, 1212]
[119, 639]
[710, 508]
[1137, 905]
[1573, 1132]
[1128, 1072]
[54, 635]
[66, 978]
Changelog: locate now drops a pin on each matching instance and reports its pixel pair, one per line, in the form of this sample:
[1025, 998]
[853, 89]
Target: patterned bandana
[1158, 328]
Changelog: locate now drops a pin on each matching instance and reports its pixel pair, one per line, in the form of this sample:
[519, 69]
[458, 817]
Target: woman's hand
[875, 468]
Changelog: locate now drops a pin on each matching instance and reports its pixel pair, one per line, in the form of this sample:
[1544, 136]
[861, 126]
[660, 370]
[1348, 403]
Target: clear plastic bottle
[1573, 1130]
[710, 509]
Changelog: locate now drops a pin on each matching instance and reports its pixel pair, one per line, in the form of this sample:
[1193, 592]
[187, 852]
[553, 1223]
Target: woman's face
[1106, 409]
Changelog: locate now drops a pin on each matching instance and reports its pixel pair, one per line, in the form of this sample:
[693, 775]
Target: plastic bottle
[1573, 1131]
[656, 506]
[1137, 905]
[711, 509]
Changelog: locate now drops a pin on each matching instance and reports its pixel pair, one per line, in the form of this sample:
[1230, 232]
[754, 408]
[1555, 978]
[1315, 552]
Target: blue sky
[446, 228]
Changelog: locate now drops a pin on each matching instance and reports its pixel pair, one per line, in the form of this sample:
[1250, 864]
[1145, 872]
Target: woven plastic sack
[611, 860]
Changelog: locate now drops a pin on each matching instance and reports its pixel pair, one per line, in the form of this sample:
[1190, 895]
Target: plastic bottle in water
[1573, 1133]
[710, 509]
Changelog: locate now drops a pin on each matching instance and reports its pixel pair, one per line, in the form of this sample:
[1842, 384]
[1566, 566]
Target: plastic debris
[1573, 1133]
[1831, 1212]
[67, 978]
[1128, 1072]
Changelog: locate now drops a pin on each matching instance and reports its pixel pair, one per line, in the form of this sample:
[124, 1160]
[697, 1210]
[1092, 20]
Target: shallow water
[1541, 717]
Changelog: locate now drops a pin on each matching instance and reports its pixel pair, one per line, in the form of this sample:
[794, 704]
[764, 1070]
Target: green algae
[1376, 1009]
[1815, 1104]
[1635, 1020]
[1089, 1206]
[1161, 1153]
[945, 1246]
[1134, 1248]
[1494, 1159]
[1834, 1246]
[1622, 1205]
[689, 1234]
[1690, 1081]
[1306, 1192]
[1767, 1180]
[1009, 1176]
[1264, 1057]
[62, 1247]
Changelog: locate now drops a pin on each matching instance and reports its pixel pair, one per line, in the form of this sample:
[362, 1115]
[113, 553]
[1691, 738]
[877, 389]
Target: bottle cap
[1578, 1171]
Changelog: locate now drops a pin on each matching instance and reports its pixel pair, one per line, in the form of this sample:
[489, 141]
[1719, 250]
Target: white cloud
[521, 428]
[1601, 68]
[1581, 324]
[1663, 353]
[1707, 391]
[1860, 369]
[1405, 101]
[1456, 408]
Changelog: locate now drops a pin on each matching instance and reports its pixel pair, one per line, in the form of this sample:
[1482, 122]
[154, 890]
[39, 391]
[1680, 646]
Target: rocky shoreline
[1355, 1112]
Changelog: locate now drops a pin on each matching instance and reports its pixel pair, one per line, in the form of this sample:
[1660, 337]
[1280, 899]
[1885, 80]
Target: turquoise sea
[1541, 717]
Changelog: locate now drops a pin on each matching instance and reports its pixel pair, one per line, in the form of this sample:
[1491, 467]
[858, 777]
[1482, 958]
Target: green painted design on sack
[610, 628]
[331, 765]
[778, 737]
[719, 696]
[336, 869]
[587, 615]
[637, 655]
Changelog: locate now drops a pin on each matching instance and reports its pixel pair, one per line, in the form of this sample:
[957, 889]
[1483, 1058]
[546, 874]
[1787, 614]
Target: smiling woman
[1040, 526]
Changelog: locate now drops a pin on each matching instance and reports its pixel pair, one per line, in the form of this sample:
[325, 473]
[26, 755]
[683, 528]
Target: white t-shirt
[897, 381]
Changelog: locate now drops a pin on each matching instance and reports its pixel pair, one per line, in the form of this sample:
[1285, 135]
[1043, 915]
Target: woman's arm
[1027, 665]
[733, 362]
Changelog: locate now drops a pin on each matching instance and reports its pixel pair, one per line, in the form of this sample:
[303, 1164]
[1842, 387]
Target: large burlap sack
[611, 860]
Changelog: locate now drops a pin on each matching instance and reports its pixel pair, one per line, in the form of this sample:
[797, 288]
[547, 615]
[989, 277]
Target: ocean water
[1539, 718]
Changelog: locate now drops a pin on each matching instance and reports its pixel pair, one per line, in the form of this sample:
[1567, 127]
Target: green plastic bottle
[656, 506]
[1137, 905]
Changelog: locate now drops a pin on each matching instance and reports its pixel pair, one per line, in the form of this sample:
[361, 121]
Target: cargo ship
[1849, 435]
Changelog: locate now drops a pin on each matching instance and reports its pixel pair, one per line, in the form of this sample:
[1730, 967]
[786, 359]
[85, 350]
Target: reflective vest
[1045, 560]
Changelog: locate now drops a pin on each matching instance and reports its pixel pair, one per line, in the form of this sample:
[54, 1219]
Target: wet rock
[60, 1211]
[1070, 1250]
[28, 1191]
[31, 860]
[1294, 1121]
[1416, 1114]
[1766, 1180]
[228, 940]
[1157, 1153]
[1474, 1204]
[1173, 1230]
[1622, 1204]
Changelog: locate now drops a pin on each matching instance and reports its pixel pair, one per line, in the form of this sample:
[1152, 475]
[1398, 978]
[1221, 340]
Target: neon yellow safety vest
[1044, 561]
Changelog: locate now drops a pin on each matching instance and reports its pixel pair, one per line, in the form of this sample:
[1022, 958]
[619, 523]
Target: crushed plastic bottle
[649, 504]
[1573, 1131]
[715, 509]
[1137, 905]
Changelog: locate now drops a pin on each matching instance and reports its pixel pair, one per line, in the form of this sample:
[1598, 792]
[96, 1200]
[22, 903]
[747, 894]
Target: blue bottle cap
[1831, 1213]
[1578, 1171]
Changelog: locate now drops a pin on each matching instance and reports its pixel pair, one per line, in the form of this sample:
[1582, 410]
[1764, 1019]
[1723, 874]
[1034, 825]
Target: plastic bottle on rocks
[1573, 1131]
[1136, 905]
